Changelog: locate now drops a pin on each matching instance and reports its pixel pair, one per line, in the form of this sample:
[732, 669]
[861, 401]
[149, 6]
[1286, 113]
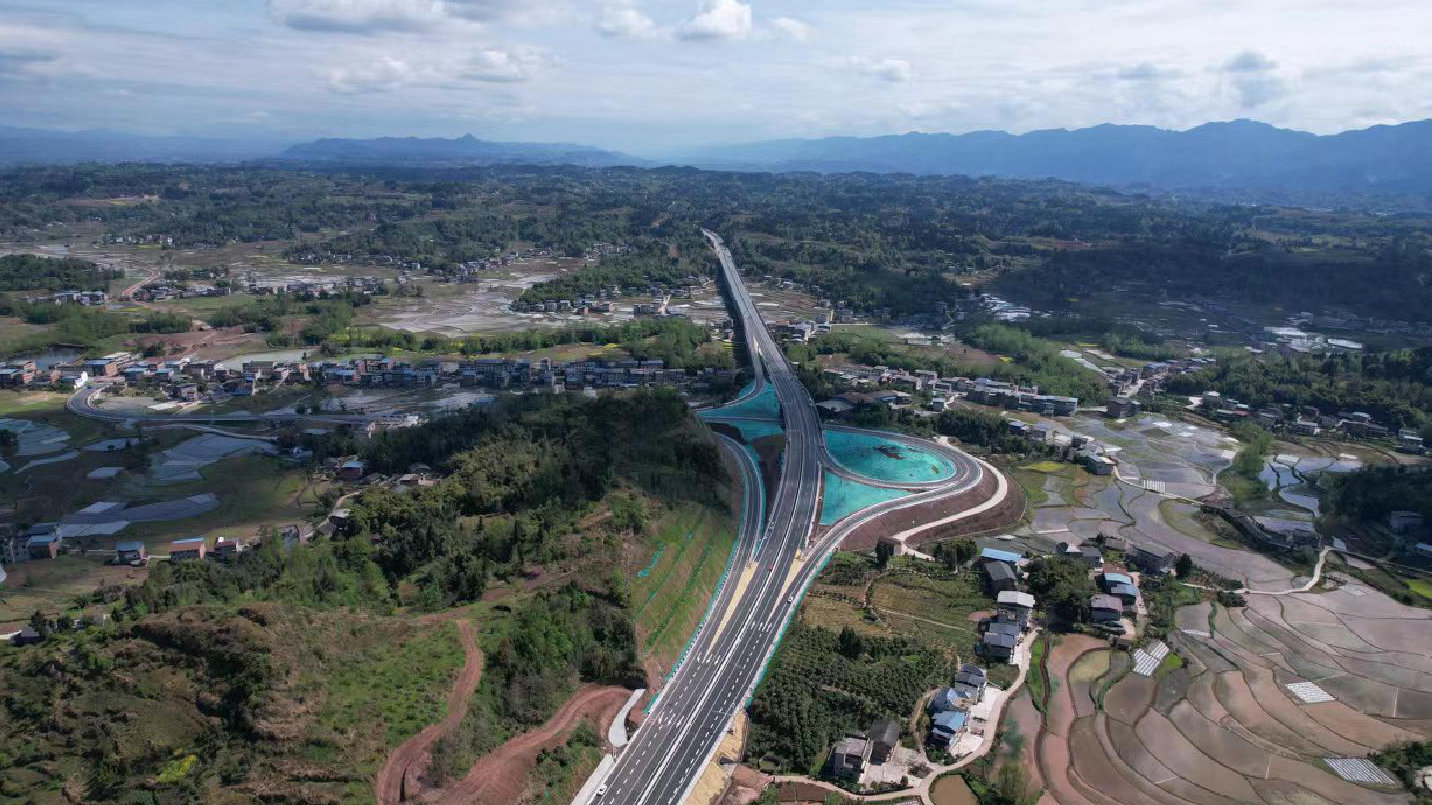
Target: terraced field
[1226, 728]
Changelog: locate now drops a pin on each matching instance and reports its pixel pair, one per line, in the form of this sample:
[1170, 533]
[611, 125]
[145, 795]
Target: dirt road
[396, 780]
[500, 776]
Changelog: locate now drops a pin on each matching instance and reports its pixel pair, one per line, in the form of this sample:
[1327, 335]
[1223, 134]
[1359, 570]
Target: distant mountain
[465, 150]
[20, 146]
[1238, 157]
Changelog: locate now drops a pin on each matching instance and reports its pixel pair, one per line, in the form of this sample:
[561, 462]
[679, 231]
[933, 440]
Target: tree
[1061, 585]
[850, 644]
[1012, 786]
[9, 445]
[1183, 566]
[965, 550]
[883, 552]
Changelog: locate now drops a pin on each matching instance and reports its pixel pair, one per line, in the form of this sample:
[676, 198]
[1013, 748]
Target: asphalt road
[669, 751]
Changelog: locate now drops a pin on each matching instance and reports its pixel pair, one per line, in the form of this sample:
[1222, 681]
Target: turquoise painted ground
[842, 497]
[762, 406]
[885, 460]
[751, 429]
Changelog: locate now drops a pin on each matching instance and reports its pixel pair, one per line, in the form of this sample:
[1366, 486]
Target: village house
[1105, 609]
[848, 758]
[43, 541]
[945, 728]
[1153, 559]
[999, 641]
[130, 552]
[188, 548]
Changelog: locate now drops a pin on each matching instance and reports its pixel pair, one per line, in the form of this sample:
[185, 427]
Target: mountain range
[1237, 160]
[1240, 156]
[465, 150]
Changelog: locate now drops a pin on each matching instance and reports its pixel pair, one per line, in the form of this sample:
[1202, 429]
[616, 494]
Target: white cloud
[718, 20]
[622, 19]
[387, 73]
[791, 28]
[502, 65]
[383, 74]
[893, 70]
[357, 16]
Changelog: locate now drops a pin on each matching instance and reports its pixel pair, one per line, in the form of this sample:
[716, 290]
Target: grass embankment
[1185, 519]
[1037, 678]
[685, 557]
[1243, 479]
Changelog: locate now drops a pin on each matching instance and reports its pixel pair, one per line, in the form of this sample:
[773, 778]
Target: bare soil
[500, 777]
[400, 778]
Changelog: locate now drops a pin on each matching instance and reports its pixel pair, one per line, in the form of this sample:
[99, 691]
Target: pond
[52, 357]
[952, 790]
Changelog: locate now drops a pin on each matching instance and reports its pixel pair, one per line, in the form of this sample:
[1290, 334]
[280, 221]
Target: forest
[891, 246]
[25, 272]
[1394, 387]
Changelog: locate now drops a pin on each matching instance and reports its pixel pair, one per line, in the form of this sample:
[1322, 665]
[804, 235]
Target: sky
[651, 77]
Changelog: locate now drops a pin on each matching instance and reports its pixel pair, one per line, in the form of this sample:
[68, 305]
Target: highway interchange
[774, 561]
[669, 752]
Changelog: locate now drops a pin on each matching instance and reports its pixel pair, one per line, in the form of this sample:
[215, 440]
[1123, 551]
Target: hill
[20, 146]
[438, 151]
[1241, 158]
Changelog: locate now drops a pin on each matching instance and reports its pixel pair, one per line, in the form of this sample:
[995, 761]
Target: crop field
[1216, 723]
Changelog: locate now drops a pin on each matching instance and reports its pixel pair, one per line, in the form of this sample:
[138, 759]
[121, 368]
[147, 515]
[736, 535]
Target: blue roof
[1124, 589]
[130, 545]
[1117, 578]
[944, 699]
[1000, 556]
[188, 540]
[949, 721]
[44, 539]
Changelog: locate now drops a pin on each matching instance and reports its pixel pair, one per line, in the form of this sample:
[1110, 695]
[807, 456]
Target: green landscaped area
[842, 497]
[671, 589]
[883, 459]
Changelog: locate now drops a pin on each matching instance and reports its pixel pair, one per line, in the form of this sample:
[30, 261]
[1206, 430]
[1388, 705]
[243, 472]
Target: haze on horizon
[648, 76]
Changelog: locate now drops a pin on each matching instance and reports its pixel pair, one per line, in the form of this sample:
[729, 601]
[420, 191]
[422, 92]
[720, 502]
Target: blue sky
[647, 76]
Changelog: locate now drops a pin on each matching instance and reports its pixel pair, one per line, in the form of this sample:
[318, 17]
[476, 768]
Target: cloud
[484, 10]
[718, 20]
[892, 70]
[1249, 61]
[380, 75]
[621, 19]
[357, 16]
[387, 73]
[1146, 72]
[791, 28]
[16, 61]
[504, 66]
[1254, 79]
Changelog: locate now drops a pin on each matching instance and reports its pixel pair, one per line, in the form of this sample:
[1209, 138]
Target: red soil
[398, 779]
[500, 776]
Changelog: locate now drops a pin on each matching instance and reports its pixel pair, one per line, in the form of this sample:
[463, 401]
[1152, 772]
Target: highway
[669, 751]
